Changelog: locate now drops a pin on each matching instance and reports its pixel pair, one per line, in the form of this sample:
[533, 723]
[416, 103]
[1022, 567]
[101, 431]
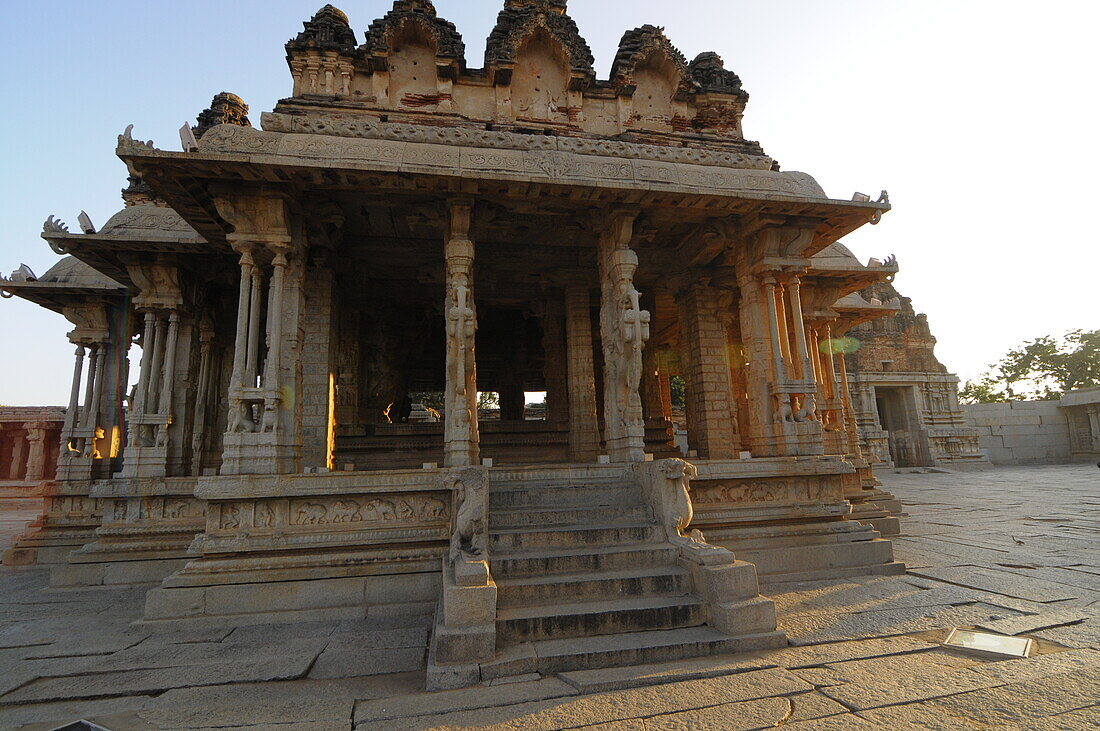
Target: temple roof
[68, 282]
[836, 256]
[71, 271]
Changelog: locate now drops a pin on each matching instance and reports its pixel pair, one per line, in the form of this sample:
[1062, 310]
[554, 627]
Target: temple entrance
[897, 414]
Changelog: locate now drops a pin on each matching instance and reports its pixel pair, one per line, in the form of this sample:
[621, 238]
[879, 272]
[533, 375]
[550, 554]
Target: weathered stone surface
[616, 706]
[459, 700]
[806, 629]
[1001, 582]
[756, 714]
[46, 716]
[895, 690]
[149, 681]
[604, 679]
[269, 704]
[349, 662]
[1031, 623]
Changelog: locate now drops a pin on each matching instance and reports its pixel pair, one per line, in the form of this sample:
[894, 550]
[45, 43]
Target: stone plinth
[148, 526]
[294, 547]
[790, 517]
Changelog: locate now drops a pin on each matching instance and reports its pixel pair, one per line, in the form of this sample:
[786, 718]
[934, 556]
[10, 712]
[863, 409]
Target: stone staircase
[586, 579]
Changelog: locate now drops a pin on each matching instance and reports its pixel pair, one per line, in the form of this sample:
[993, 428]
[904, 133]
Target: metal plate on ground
[988, 644]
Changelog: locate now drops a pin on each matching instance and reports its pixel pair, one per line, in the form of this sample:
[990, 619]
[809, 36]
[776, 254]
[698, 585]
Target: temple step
[562, 516]
[640, 648]
[579, 560]
[596, 586]
[572, 536]
[559, 621]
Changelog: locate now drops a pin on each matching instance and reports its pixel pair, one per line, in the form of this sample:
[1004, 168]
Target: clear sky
[979, 117]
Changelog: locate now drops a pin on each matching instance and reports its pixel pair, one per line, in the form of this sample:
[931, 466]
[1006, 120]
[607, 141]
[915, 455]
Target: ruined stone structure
[1082, 410]
[403, 223]
[30, 438]
[906, 403]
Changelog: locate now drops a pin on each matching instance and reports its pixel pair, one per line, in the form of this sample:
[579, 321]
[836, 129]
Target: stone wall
[1022, 432]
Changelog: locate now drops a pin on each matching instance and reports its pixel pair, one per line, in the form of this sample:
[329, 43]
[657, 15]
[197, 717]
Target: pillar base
[253, 453]
[144, 462]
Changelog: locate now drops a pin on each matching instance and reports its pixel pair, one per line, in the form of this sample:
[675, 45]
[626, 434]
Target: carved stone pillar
[461, 440]
[771, 391]
[584, 431]
[36, 451]
[554, 359]
[710, 407]
[263, 429]
[624, 330]
[72, 414]
[17, 468]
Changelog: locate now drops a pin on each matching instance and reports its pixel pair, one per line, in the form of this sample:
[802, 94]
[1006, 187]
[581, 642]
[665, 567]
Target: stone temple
[404, 224]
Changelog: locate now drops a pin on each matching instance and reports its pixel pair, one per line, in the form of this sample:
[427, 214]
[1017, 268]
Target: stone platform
[1011, 550]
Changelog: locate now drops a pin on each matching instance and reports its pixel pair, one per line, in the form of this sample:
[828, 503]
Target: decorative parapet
[366, 128]
[225, 108]
[637, 46]
[519, 20]
[449, 47]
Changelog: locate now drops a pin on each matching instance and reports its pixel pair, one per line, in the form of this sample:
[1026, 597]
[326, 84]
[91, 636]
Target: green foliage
[434, 399]
[1043, 368]
[677, 386]
[428, 399]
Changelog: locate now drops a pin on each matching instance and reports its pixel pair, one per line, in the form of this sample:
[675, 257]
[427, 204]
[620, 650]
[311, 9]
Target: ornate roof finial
[225, 108]
[328, 29]
[555, 6]
[709, 71]
[448, 41]
[520, 17]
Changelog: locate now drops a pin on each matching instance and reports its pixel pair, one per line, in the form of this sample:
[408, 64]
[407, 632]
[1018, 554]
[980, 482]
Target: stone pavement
[1013, 550]
[15, 514]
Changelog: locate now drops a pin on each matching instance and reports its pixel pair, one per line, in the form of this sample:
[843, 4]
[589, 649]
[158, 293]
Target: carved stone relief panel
[716, 494]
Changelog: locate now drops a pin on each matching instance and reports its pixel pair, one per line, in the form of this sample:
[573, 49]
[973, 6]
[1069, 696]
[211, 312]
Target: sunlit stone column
[624, 330]
[461, 440]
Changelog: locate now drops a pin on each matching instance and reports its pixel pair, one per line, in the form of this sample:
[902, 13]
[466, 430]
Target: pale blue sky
[979, 117]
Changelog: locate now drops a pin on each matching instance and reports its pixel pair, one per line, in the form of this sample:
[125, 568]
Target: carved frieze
[230, 140]
[561, 165]
[328, 512]
[718, 493]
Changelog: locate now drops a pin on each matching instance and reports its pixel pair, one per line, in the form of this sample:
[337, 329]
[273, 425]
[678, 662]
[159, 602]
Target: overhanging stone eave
[55, 297]
[180, 178]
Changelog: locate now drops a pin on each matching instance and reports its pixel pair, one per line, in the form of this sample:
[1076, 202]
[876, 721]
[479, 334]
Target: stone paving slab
[1001, 582]
[994, 548]
[1031, 623]
[611, 706]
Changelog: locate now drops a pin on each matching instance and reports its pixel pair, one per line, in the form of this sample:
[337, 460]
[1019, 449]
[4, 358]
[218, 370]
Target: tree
[1043, 368]
[677, 387]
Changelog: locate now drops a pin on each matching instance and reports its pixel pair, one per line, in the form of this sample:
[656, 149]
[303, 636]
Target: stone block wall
[1022, 432]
